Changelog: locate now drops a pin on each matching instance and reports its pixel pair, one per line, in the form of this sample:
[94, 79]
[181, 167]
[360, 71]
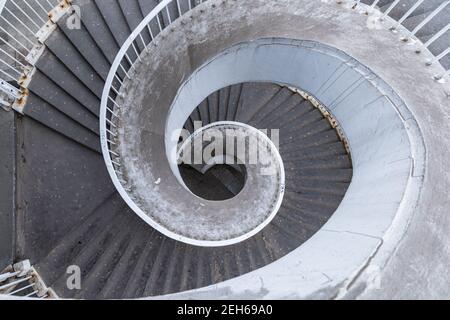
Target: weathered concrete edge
[390, 71]
[221, 291]
[7, 187]
[403, 220]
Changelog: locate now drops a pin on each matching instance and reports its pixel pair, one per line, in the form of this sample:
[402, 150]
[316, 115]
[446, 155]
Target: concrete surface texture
[87, 222]
[387, 238]
[7, 189]
[192, 219]
[21, 20]
[194, 40]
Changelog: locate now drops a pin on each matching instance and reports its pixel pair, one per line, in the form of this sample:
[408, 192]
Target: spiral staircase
[75, 77]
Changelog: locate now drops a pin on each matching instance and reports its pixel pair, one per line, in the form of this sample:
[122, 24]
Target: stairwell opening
[218, 183]
[209, 166]
[294, 122]
[134, 260]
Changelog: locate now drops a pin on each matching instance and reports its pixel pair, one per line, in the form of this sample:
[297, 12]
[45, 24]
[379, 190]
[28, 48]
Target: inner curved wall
[356, 241]
[375, 131]
[358, 100]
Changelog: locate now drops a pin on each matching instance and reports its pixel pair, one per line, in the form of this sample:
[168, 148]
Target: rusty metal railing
[20, 22]
[22, 281]
[162, 17]
[159, 19]
[396, 23]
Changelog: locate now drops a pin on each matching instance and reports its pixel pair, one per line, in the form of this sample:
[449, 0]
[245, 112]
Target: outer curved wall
[417, 241]
[378, 138]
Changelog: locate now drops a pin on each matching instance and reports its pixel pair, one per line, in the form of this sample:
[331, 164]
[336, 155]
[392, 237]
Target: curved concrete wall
[377, 134]
[416, 242]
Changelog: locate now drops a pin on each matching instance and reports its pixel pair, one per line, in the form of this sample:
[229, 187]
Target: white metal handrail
[20, 21]
[168, 11]
[164, 14]
[21, 280]
[411, 34]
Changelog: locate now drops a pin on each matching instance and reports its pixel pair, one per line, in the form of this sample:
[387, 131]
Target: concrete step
[82, 40]
[98, 28]
[72, 244]
[55, 70]
[233, 101]
[51, 93]
[115, 20]
[254, 97]
[54, 119]
[71, 58]
[277, 100]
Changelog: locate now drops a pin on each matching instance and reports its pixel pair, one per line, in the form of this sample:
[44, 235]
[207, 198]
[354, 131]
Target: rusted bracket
[54, 16]
[19, 103]
[330, 118]
[58, 12]
[8, 94]
[61, 10]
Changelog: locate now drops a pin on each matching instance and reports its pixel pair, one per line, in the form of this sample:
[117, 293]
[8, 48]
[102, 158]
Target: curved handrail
[412, 34]
[20, 24]
[117, 72]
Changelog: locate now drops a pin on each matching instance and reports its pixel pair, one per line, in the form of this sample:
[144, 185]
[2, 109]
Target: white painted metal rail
[20, 21]
[160, 18]
[22, 281]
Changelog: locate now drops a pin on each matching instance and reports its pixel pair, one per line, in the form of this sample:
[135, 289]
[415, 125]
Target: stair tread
[90, 255]
[67, 54]
[136, 285]
[54, 119]
[65, 251]
[122, 270]
[275, 102]
[52, 67]
[115, 20]
[254, 97]
[98, 29]
[51, 93]
[100, 272]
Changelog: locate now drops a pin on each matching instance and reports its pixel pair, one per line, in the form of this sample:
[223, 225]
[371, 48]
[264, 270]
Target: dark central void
[318, 167]
[220, 182]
